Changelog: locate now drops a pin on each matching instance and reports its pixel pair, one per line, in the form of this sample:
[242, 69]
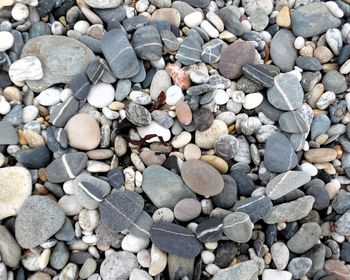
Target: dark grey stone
[110, 16]
[334, 81]
[95, 71]
[245, 184]
[138, 115]
[308, 63]
[59, 256]
[8, 135]
[66, 232]
[34, 158]
[14, 117]
[142, 226]
[61, 113]
[38, 29]
[210, 230]
[133, 23]
[230, 16]
[141, 75]
[80, 86]
[169, 40]
[321, 196]
[175, 239]
[146, 43]
[115, 177]
[258, 74]
[189, 51]
[212, 51]
[345, 252]
[197, 3]
[257, 208]
[293, 122]
[225, 253]
[337, 111]
[317, 256]
[341, 203]
[320, 125]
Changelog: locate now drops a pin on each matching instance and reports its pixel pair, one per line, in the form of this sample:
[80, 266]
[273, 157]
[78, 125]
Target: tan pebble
[168, 14]
[21, 138]
[39, 189]
[330, 66]
[306, 51]
[158, 261]
[218, 163]
[120, 146]
[318, 112]
[315, 95]
[231, 128]
[62, 20]
[323, 54]
[40, 276]
[159, 147]
[135, 159]
[183, 112]
[43, 111]
[281, 226]
[339, 150]
[33, 138]
[116, 105]
[150, 157]
[233, 262]
[12, 94]
[304, 278]
[192, 151]
[129, 181]
[321, 155]
[6, 3]
[42, 174]
[44, 258]
[283, 17]
[330, 169]
[177, 154]
[267, 258]
[322, 138]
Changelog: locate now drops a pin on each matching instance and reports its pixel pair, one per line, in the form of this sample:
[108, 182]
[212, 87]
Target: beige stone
[217, 162]
[33, 138]
[283, 17]
[321, 155]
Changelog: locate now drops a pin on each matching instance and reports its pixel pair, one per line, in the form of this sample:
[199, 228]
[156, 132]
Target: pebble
[189, 52]
[7, 40]
[285, 183]
[118, 265]
[170, 15]
[287, 93]
[233, 57]
[203, 119]
[306, 237]
[138, 115]
[19, 73]
[37, 210]
[134, 244]
[272, 274]
[202, 178]
[157, 179]
[206, 138]
[183, 112]
[187, 209]
[8, 134]
[16, 187]
[9, 248]
[257, 208]
[320, 155]
[342, 224]
[55, 54]
[238, 227]
[154, 128]
[101, 95]
[290, 211]
[242, 270]
[169, 237]
[337, 269]
[147, 43]
[279, 154]
[334, 81]
[280, 255]
[299, 266]
[209, 230]
[120, 209]
[193, 19]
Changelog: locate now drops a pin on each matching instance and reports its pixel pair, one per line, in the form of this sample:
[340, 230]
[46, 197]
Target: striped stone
[293, 122]
[256, 207]
[61, 113]
[80, 86]
[147, 43]
[95, 71]
[258, 74]
[189, 51]
[210, 230]
[238, 227]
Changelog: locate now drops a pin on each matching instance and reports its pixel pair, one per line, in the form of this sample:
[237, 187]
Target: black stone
[5, 80]
[270, 234]
[80, 86]
[173, 164]
[115, 177]
[228, 196]
[245, 184]
[225, 253]
[344, 54]
[321, 196]
[290, 230]
[257, 207]
[34, 158]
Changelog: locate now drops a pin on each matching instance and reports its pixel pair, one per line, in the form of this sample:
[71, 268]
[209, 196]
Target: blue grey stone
[313, 19]
[61, 113]
[169, 40]
[189, 51]
[80, 86]
[212, 51]
[334, 81]
[133, 23]
[257, 207]
[34, 158]
[141, 75]
[8, 135]
[308, 63]
[147, 43]
[230, 16]
[14, 117]
[341, 203]
[123, 89]
[293, 122]
[320, 125]
[197, 3]
[299, 266]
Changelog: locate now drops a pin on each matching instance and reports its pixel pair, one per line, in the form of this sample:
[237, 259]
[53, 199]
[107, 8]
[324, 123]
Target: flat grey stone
[306, 238]
[230, 17]
[257, 207]
[198, 3]
[123, 89]
[247, 270]
[189, 51]
[8, 135]
[313, 19]
[308, 63]
[293, 122]
[343, 224]
[212, 51]
[228, 196]
[142, 226]
[119, 54]
[61, 57]
[169, 40]
[238, 227]
[9, 248]
[210, 230]
[147, 43]
[163, 187]
[299, 266]
[258, 74]
[285, 183]
[59, 256]
[334, 81]
[38, 219]
[61, 113]
[320, 125]
[118, 265]
[179, 267]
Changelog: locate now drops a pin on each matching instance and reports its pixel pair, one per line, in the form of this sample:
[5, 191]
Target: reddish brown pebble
[183, 112]
[179, 76]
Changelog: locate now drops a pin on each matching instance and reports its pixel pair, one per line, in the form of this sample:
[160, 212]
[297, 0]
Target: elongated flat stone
[175, 239]
[120, 209]
[61, 57]
[291, 211]
[320, 155]
[306, 238]
[258, 74]
[343, 224]
[120, 55]
[257, 207]
[286, 182]
[61, 113]
[80, 86]
[293, 122]
[147, 43]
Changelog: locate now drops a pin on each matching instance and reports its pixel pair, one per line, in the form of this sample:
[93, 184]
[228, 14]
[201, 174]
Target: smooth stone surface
[280, 255]
[313, 19]
[230, 16]
[238, 227]
[202, 178]
[286, 93]
[258, 74]
[306, 237]
[120, 55]
[187, 209]
[203, 119]
[227, 197]
[334, 81]
[299, 266]
[9, 249]
[120, 209]
[207, 138]
[209, 230]
[104, 4]
[8, 134]
[271, 274]
[100, 95]
[343, 224]
[138, 115]
[83, 132]
[290, 211]
[256, 207]
[66, 167]
[34, 158]
[61, 58]
[38, 210]
[189, 52]
[118, 265]
[158, 180]
[285, 183]
[321, 155]
[337, 269]
[167, 14]
[279, 155]
[233, 58]
[147, 43]
[19, 73]
[244, 270]
[61, 113]
[294, 122]
[15, 188]
[154, 128]
[282, 50]
[175, 239]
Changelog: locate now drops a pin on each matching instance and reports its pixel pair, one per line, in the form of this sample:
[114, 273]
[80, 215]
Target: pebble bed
[166, 140]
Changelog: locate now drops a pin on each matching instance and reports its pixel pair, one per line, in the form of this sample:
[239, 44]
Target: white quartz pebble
[193, 19]
[29, 113]
[253, 100]
[154, 128]
[81, 26]
[309, 168]
[299, 42]
[6, 40]
[173, 95]
[101, 95]
[134, 244]
[26, 68]
[49, 97]
[221, 97]
[334, 9]
[20, 12]
[210, 29]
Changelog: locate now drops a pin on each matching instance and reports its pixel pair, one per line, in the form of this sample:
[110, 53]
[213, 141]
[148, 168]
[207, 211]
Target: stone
[187, 209]
[258, 74]
[133, 244]
[334, 81]
[226, 146]
[245, 184]
[61, 113]
[306, 238]
[207, 138]
[147, 43]
[290, 211]
[119, 54]
[308, 63]
[341, 202]
[320, 155]
[203, 119]
[313, 19]
[243, 270]
[169, 40]
[80, 86]
[344, 251]
[285, 183]
[270, 274]
[116, 178]
[321, 196]
[142, 226]
[9, 248]
[83, 132]
[59, 256]
[202, 178]
[88, 268]
[158, 180]
[105, 4]
[197, 3]
[280, 255]
[7, 40]
[61, 57]
[19, 73]
[320, 125]
[8, 134]
[15, 188]
[230, 17]
[138, 115]
[189, 52]
[154, 129]
[238, 227]
[286, 93]
[66, 167]
[282, 50]
[175, 239]
[234, 57]
[179, 267]
[257, 207]
[118, 265]
[337, 269]
[37, 210]
[212, 51]
[170, 15]
[94, 72]
[299, 266]
[209, 230]
[101, 95]
[342, 224]
[161, 82]
[34, 158]
[279, 155]
[120, 209]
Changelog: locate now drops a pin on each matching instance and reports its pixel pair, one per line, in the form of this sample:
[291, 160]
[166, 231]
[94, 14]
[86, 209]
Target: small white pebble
[207, 257]
[81, 26]
[20, 12]
[309, 169]
[299, 42]
[212, 268]
[6, 40]
[221, 97]
[334, 9]
[5, 107]
[57, 28]
[211, 245]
